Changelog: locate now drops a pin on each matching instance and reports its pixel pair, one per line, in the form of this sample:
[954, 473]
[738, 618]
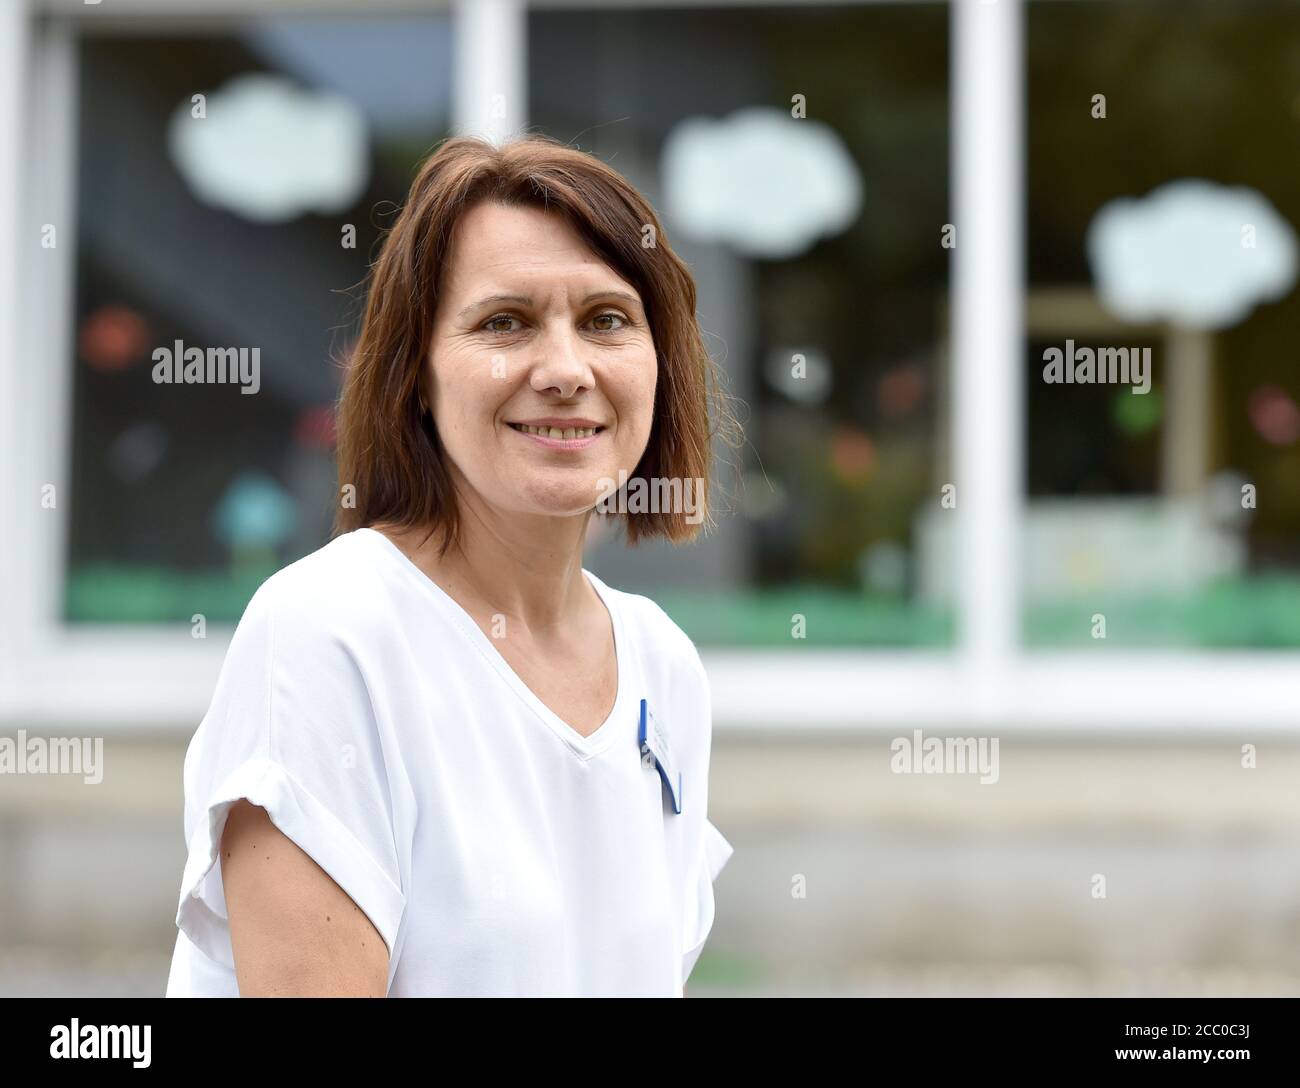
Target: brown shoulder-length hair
[389, 449]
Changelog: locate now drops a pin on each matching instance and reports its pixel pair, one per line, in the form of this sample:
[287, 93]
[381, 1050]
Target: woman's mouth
[557, 437]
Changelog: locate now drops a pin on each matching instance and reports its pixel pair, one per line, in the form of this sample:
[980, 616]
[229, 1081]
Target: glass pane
[241, 220]
[816, 242]
[1161, 220]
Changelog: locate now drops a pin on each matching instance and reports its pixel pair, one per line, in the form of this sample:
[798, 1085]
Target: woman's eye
[614, 314]
[492, 324]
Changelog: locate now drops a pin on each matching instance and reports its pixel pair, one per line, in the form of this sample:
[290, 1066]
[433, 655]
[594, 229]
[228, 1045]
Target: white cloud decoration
[270, 150]
[1182, 254]
[762, 182]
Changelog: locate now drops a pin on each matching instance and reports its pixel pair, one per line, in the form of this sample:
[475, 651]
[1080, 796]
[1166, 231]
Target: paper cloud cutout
[1181, 254]
[270, 150]
[760, 181]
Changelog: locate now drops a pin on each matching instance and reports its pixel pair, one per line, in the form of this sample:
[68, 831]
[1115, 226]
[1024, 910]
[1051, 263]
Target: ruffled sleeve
[291, 728]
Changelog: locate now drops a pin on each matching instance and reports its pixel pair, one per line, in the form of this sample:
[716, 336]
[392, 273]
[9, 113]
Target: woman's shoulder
[330, 590]
[656, 629]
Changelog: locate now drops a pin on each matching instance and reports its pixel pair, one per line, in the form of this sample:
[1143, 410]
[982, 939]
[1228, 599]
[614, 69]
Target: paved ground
[46, 974]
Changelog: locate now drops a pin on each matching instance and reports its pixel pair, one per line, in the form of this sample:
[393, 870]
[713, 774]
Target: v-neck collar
[584, 747]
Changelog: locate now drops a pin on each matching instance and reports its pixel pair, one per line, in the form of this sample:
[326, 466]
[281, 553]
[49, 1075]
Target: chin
[559, 500]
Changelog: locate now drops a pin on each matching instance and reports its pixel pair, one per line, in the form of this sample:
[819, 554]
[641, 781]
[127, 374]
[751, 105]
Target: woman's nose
[560, 365]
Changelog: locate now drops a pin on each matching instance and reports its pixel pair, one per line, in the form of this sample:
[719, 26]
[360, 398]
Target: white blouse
[496, 850]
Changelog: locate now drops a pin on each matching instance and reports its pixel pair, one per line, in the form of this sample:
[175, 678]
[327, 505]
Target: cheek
[465, 404]
[638, 406]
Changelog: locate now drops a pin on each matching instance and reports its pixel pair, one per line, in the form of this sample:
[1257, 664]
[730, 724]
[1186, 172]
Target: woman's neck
[525, 567]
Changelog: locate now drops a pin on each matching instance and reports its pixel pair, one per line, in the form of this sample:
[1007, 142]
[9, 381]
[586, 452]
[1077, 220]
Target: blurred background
[892, 210]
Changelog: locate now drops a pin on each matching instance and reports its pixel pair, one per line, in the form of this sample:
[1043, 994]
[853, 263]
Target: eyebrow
[526, 300]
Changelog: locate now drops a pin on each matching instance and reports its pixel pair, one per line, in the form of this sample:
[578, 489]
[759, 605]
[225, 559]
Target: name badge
[655, 752]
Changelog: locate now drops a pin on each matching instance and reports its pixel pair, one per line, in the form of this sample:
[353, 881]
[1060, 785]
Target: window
[243, 219]
[816, 245]
[1173, 514]
[1073, 500]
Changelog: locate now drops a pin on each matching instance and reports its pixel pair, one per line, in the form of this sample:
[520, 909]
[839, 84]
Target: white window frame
[113, 678]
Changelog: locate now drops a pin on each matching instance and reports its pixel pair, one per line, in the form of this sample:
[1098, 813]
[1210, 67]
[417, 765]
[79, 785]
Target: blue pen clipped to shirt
[654, 745]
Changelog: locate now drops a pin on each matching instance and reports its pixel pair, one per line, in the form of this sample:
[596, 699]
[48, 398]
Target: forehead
[495, 246]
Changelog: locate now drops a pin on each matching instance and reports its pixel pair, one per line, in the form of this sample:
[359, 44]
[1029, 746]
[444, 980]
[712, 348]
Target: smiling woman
[541, 295]
[573, 353]
[425, 770]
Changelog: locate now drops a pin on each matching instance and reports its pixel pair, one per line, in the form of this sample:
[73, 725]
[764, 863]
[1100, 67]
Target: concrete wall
[914, 883]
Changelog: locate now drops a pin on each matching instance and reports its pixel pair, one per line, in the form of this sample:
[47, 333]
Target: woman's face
[542, 368]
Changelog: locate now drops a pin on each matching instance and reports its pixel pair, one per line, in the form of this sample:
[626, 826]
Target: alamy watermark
[116, 1042]
[1104, 366]
[53, 755]
[179, 365]
[656, 495]
[918, 754]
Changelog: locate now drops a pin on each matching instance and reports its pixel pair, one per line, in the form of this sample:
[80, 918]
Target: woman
[442, 758]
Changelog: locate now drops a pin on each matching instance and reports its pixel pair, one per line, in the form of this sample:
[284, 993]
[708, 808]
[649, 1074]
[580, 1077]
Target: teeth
[556, 432]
